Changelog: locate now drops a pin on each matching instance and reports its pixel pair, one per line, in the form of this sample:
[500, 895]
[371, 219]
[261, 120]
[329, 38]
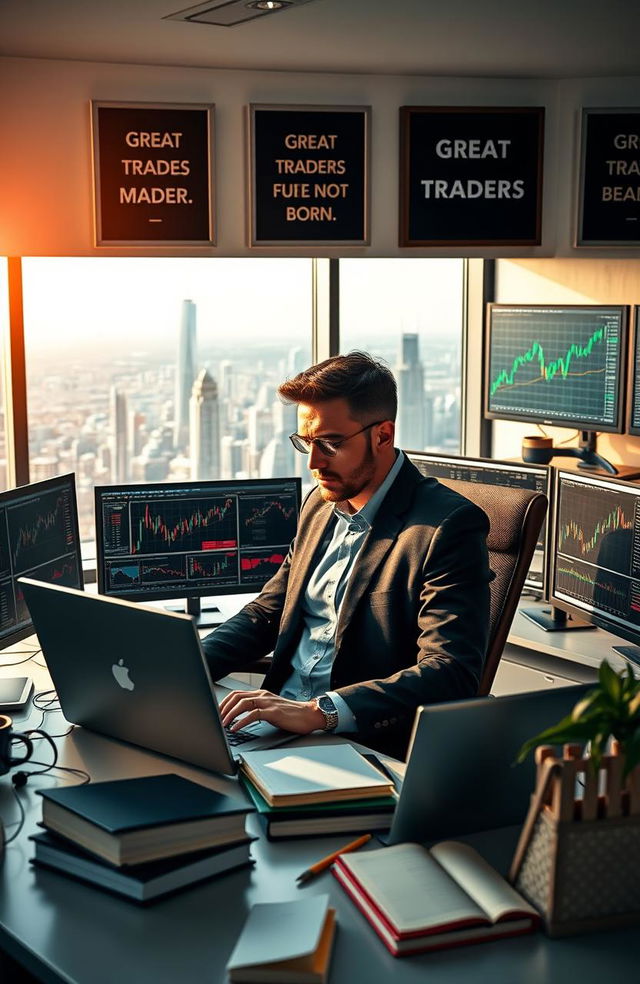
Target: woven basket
[582, 874]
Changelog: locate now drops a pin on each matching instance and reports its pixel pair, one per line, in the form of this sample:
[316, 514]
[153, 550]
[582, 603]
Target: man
[382, 601]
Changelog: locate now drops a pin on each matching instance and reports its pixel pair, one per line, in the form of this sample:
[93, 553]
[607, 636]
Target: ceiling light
[267, 4]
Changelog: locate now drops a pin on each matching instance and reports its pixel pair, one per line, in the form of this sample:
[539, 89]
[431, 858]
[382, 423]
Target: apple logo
[121, 673]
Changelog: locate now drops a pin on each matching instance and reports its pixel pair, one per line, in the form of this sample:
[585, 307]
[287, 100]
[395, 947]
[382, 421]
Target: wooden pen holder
[578, 859]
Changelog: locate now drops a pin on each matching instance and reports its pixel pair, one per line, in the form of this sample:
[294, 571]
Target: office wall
[45, 164]
[566, 281]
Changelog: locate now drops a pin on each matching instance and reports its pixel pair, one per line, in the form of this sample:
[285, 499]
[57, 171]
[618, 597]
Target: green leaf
[610, 682]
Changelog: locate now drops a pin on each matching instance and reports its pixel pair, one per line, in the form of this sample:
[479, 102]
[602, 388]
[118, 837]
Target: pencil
[324, 863]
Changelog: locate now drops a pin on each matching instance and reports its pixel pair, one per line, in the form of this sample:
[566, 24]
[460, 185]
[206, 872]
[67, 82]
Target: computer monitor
[595, 571]
[505, 473]
[193, 539]
[558, 365]
[39, 538]
[633, 422]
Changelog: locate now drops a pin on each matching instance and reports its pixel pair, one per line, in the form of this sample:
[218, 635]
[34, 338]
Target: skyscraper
[204, 428]
[410, 378]
[185, 373]
[118, 417]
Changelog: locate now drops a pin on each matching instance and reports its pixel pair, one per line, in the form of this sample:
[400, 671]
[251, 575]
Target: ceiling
[490, 38]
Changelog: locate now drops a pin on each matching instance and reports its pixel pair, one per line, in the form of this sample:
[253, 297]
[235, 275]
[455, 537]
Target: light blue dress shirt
[313, 659]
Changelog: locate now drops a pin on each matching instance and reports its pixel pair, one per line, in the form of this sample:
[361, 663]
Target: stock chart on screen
[560, 364]
[193, 538]
[38, 538]
[597, 551]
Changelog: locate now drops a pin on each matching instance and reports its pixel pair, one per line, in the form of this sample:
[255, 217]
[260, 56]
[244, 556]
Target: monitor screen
[559, 364]
[596, 552]
[633, 425]
[490, 472]
[38, 538]
[193, 539]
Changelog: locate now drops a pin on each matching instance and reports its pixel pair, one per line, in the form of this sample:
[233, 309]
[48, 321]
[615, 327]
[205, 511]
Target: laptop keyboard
[239, 737]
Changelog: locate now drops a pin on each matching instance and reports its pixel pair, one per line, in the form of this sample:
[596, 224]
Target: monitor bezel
[633, 396]
[44, 486]
[600, 621]
[515, 466]
[212, 485]
[572, 422]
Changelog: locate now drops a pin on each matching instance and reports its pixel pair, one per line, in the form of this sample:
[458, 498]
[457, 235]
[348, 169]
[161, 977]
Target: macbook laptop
[461, 776]
[138, 674]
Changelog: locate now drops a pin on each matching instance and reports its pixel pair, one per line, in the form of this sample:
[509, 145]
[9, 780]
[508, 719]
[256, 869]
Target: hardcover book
[313, 774]
[131, 821]
[324, 818]
[140, 882]
[418, 899]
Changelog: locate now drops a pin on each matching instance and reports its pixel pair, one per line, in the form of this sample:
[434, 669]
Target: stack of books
[142, 838]
[318, 789]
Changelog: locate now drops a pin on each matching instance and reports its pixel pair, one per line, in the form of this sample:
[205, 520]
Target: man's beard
[353, 484]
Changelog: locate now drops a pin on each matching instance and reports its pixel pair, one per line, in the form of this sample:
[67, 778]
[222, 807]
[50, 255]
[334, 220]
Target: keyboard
[239, 737]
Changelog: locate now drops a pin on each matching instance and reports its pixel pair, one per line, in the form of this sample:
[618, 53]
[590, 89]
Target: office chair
[516, 516]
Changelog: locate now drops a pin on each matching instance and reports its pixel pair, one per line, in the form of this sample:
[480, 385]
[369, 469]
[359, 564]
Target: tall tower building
[204, 428]
[118, 414]
[185, 373]
[411, 405]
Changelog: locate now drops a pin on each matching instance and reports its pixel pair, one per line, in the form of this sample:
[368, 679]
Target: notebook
[137, 674]
[461, 776]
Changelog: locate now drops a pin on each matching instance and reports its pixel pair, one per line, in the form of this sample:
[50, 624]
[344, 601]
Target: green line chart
[550, 364]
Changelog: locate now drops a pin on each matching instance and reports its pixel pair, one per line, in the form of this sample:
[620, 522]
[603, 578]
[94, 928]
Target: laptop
[460, 775]
[138, 674]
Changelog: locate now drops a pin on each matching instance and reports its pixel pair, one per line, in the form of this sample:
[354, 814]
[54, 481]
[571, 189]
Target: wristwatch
[328, 708]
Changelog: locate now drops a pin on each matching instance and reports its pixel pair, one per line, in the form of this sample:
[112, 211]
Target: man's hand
[299, 717]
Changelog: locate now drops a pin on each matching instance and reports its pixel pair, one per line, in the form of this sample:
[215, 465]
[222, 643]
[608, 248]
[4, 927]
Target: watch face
[326, 704]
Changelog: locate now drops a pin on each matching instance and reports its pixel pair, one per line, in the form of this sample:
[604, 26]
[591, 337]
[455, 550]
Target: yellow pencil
[319, 866]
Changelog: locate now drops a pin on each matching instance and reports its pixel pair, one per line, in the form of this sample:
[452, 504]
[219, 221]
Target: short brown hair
[366, 384]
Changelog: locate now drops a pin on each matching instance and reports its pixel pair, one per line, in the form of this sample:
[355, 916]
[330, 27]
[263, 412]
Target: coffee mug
[7, 737]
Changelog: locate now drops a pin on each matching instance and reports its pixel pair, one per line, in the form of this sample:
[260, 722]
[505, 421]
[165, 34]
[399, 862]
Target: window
[409, 312]
[162, 369]
[4, 328]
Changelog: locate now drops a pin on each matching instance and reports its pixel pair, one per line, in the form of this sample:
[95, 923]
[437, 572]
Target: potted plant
[610, 710]
[578, 858]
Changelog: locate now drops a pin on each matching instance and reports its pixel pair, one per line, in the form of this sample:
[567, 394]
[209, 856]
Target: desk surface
[61, 930]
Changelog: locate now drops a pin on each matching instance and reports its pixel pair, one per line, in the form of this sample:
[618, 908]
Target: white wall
[45, 163]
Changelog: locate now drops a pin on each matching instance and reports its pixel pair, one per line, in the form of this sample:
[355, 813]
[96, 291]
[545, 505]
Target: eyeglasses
[324, 446]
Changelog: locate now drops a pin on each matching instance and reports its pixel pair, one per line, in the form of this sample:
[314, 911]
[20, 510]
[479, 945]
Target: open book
[419, 900]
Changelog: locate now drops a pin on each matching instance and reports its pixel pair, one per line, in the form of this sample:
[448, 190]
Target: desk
[63, 931]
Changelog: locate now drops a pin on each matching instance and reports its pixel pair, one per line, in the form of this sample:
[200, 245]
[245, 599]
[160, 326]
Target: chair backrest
[516, 516]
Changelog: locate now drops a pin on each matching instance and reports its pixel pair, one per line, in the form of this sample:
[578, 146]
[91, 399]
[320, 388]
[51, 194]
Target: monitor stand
[205, 618]
[632, 653]
[554, 619]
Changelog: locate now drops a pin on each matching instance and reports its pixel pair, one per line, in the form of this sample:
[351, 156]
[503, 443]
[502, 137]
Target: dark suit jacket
[413, 624]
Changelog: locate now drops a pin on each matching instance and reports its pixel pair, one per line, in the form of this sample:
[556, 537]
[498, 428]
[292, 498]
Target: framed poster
[609, 185]
[152, 170]
[309, 175]
[471, 176]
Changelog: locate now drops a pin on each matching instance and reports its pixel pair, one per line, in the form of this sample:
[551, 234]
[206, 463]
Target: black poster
[152, 174]
[309, 175]
[470, 176]
[609, 206]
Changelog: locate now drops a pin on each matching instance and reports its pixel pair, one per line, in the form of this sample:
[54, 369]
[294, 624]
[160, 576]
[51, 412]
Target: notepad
[285, 943]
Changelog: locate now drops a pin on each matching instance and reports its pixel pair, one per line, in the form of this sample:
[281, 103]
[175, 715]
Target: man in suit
[382, 601]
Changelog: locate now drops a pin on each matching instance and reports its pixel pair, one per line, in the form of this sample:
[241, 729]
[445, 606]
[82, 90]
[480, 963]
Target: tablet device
[15, 692]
